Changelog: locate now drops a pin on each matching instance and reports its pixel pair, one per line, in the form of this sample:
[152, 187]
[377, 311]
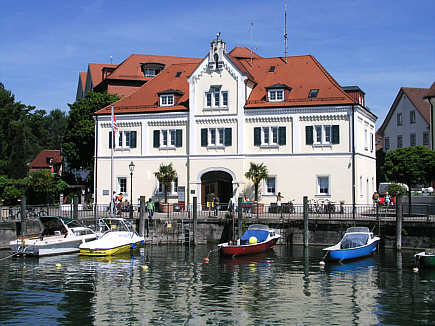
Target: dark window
[412, 140]
[399, 119]
[313, 93]
[178, 74]
[228, 136]
[281, 136]
[272, 69]
[412, 116]
[336, 134]
[204, 137]
[399, 141]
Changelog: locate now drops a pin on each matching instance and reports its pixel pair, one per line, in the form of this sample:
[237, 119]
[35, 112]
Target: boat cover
[261, 236]
[354, 241]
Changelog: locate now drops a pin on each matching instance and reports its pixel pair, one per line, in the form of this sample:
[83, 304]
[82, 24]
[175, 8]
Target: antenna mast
[252, 39]
[285, 32]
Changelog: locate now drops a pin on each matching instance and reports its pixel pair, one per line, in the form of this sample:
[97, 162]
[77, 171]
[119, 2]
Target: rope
[10, 256]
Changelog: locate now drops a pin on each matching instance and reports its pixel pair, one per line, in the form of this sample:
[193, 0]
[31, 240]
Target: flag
[114, 125]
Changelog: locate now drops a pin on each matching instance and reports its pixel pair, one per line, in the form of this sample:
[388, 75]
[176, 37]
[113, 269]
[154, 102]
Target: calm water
[284, 287]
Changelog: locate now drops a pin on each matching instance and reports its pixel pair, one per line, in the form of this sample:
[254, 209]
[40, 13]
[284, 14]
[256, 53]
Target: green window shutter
[204, 137]
[132, 139]
[110, 139]
[336, 134]
[257, 136]
[228, 137]
[156, 139]
[281, 136]
[309, 135]
[178, 138]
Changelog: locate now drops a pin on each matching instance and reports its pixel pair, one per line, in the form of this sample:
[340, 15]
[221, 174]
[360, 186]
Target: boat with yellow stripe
[118, 237]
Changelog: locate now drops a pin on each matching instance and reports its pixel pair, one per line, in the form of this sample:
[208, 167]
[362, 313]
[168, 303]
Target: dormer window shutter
[257, 136]
[281, 136]
[156, 140]
[110, 139]
[336, 134]
[133, 139]
[178, 138]
[309, 135]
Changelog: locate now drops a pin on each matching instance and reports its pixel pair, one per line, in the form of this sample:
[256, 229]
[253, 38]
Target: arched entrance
[220, 184]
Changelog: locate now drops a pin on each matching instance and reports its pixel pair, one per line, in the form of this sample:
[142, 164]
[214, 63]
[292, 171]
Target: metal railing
[287, 211]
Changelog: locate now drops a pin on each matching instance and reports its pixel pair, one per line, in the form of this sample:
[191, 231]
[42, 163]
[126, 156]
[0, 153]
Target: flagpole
[112, 208]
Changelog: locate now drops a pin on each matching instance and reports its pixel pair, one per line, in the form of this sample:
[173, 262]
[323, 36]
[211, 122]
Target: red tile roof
[146, 99]
[416, 96]
[96, 72]
[83, 79]
[130, 68]
[42, 160]
[242, 52]
[431, 91]
[301, 74]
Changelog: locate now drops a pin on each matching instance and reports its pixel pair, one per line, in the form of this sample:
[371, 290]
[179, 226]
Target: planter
[257, 208]
[165, 208]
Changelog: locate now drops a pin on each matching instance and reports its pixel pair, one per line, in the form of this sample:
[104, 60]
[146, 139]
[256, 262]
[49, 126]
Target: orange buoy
[206, 260]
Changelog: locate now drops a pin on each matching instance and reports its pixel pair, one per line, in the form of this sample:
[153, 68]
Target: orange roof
[146, 98]
[83, 79]
[301, 74]
[431, 91]
[416, 96]
[42, 160]
[96, 72]
[130, 68]
[242, 52]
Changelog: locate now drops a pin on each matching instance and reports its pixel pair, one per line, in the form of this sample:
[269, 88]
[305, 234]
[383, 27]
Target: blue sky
[378, 45]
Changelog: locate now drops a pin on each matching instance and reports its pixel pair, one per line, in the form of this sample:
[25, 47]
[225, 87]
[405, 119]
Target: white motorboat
[118, 237]
[59, 235]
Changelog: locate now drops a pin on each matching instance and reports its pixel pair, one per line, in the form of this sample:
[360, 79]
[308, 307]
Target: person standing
[113, 202]
[150, 208]
[387, 200]
[279, 197]
[375, 198]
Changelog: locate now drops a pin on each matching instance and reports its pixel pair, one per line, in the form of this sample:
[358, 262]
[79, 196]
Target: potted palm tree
[166, 175]
[256, 173]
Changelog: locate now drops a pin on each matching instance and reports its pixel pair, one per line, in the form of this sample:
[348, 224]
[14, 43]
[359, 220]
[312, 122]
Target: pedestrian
[279, 197]
[150, 208]
[113, 202]
[387, 199]
[216, 205]
[119, 203]
[246, 205]
[231, 205]
[375, 198]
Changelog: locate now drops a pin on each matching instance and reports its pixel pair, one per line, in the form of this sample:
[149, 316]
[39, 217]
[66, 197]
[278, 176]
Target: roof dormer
[277, 92]
[169, 97]
[151, 69]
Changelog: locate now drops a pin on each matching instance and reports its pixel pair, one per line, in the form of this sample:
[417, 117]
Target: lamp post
[131, 168]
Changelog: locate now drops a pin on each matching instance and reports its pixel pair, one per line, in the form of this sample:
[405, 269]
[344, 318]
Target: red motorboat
[258, 238]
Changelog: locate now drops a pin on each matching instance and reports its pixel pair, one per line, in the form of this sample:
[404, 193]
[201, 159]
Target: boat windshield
[358, 229]
[113, 224]
[258, 227]
[354, 240]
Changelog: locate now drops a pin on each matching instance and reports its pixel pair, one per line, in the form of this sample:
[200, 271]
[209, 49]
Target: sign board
[105, 192]
[181, 196]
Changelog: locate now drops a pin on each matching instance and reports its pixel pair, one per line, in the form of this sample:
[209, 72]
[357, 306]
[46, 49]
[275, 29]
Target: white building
[211, 119]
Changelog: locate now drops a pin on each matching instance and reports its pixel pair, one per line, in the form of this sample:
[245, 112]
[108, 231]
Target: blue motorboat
[357, 242]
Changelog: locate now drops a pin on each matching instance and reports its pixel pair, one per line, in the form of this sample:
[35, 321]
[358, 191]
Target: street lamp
[131, 168]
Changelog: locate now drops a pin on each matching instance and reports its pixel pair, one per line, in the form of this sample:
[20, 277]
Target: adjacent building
[211, 117]
[408, 120]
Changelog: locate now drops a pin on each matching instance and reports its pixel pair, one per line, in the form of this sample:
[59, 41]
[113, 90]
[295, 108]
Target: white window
[167, 100]
[387, 143]
[167, 138]
[323, 185]
[216, 137]
[124, 140]
[173, 188]
[270, 185]
[269, 136]
[276, 95]
[412, 116]
[365, 139]
[399, 119]
[322, 134]
[216, 98]
[412, 140]
[122, 184]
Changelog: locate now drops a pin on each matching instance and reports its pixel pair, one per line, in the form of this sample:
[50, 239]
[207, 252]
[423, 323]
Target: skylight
[272, 69]
[313, 93]
[178, 74]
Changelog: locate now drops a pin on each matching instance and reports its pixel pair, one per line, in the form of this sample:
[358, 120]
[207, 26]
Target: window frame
[168, 136]
[426, 138]
[399, 141]
[324, 130]
[319, 186]
[173, 188]
[218, 134]
[412, 139]
[215, 99]
[269, 136]
[167, 100]
[123, 140]
[387, 144]
[399, 118]
[412, 117]
[122, 184]
[272, 95]
[267, 186]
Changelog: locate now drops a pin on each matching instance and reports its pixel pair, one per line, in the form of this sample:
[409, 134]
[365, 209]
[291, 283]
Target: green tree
[256, 173]
[78, 146]
[11, 194]
[57, 123]
[411, 166]
[40, 188]
[166, 174]
[16, 167]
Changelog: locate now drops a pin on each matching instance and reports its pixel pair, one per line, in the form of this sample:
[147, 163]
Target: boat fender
[132, 246]
[322, 263]
[253, 240]
[415, 269]
[206, 260]
[145, 267]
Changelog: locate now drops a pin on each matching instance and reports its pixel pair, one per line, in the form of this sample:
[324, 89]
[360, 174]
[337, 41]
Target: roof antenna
[285, 32]
[110, 59]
